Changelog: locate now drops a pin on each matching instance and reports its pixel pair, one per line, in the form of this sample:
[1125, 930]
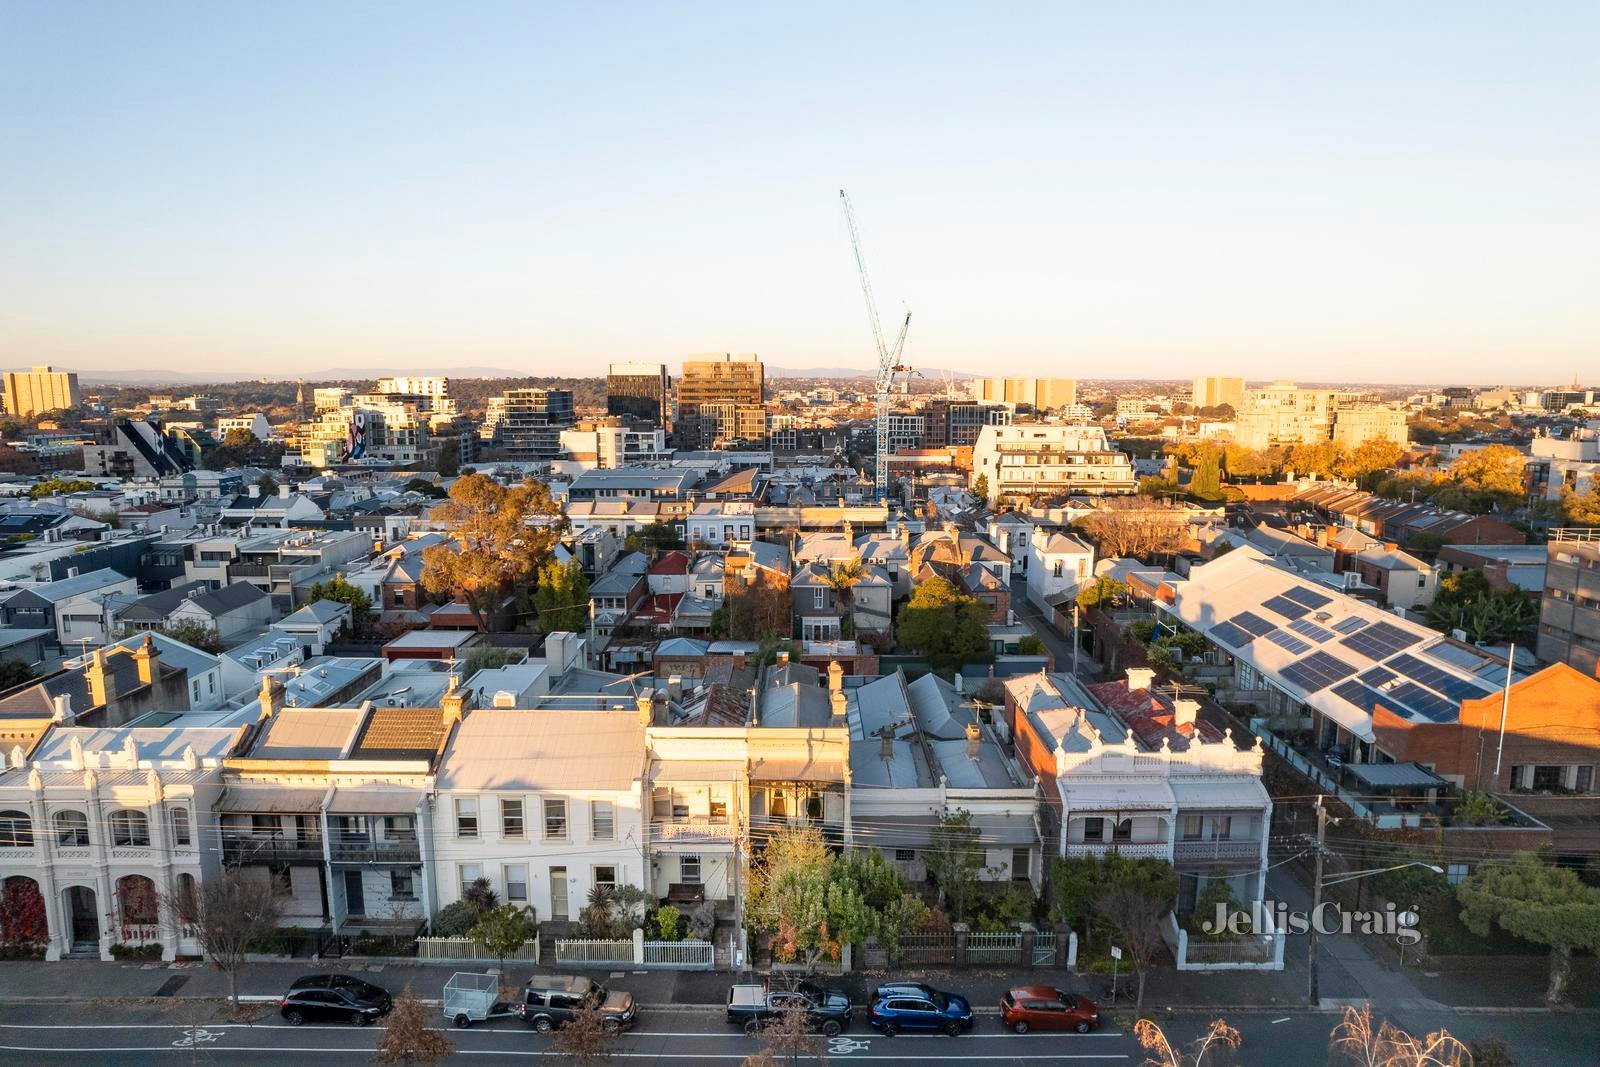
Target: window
[905, 855]
[1191, 827]
[1058, 569]
[1221, 827]
[606, 876]
[180, 826]
[510, 817]
[515, 879]
[1123, 831]
[661, 803]
[16, 830]
[282, 881]
[1456, 873]
[718, 809]
[602, 820]
[467, 873]
[1094, 829]
[400, 887]
[1547, 776]
[689, 870]
[1021, 864]
[196, 695]
[466, 816]
[555, 819]
[1584, 783]
[399, 828]
[778, 804]
[72, 829]
[819, 598]
[130, 828]
[265, 826]
[211, 684]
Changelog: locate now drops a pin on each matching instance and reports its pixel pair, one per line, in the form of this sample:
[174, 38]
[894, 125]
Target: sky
[1369, 192]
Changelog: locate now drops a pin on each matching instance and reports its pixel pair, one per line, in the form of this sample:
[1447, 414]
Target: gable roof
[228, 598]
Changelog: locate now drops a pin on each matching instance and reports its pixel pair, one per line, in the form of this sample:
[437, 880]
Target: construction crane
[888, 358]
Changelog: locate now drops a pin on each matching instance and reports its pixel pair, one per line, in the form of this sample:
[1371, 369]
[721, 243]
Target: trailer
[470, 997]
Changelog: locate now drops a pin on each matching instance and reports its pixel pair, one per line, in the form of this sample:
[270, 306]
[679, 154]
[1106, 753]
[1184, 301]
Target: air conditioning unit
[1460, 635]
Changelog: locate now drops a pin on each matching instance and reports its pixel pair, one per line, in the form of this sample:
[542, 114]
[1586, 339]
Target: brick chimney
[271, 697]
[1139, 679]
[646, 704]
[102, 683]
[840, 705]
[973, 739]
[453, 705]
[148, 658]
[835, 676]
[1184, 712]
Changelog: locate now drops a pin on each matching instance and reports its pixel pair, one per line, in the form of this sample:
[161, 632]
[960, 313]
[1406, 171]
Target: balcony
[362, 850]
[693, 828]
[1243, 850]
[1142, 850]
[270, 848]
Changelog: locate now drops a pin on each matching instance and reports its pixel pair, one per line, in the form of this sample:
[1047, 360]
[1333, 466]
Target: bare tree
[1135, 915]
[1356, 1042]
[789, 1036]
[1137, 527]
[230, 914]
[408, 1040]
[1218, 1040]
[587, 1038]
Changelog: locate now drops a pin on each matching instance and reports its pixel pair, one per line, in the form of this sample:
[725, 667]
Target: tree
[341, 591]
[408, 1039]
[758, 610]
[58, 486]
[1136, 527]
[843, 578]
[667, 917]
[980, 487]
[562, 597]
[886, 894]
[1580, 509]
[1537, 902]
[267, 484]
[808, 904]
[1368, 459]
[1030, 645]
[788, 1037]
[480, 898]
[1206, 482]
[425, 487]
[1490, 477]
[1219, 1039]
[14, 672]
[502, 537]
[1320, 458]
[1135, 915]
[193, 633]
[1101, 593]
[242, 448]
[587, 1038]
[944, 625]
[1218, 893]
[652, 537]
[230, 914]
[1357, 1042]
[449, 462]
[955, 861]
[502, 931]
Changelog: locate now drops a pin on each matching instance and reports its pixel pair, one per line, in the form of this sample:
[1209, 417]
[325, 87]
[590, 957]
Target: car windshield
[813, 992]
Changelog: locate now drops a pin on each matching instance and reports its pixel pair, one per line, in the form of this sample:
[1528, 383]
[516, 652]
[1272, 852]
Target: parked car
[754, 1006]
[548, 1001]
[1042, 1007]
[914, 1007]
[338, 997]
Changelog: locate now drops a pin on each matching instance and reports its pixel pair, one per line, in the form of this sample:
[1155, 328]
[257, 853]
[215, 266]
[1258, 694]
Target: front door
[558, 894]
[355, 902]
[85, 916]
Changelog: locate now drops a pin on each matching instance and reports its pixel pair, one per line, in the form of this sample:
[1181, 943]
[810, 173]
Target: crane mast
[888, 358]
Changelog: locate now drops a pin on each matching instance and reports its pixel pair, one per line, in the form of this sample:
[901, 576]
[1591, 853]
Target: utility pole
[1312, 998]
[1075, 638]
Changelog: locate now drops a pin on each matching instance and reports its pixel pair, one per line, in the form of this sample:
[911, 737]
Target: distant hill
[854, 372]
[332, 374]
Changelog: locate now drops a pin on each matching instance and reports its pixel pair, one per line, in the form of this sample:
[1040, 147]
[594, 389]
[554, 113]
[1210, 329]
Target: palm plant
[843, 578]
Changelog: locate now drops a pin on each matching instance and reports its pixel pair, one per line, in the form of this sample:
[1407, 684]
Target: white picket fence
[594, 951]
[668, 955]
[464, 948]
[687, 955]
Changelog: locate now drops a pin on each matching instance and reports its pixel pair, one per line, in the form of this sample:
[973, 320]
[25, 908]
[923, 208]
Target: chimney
[675, 687]
[783, 659]
[271, 697]
[148, 659]
[284, 491]
[255, 492]
[63, 709]
[102, 683]
[973, 737]
[836, 700]
[1184, 712]
[886, 747]
[835, 676]
[1139, 679]
[1322, 537]
[453, 705]
[645, 702]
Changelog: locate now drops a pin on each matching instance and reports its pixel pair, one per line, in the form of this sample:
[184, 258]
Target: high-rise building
[640, 390]
[1049, 459]
[1210, 392]
[956, 423]
[1569, 611]
[1285, 414]
[1354, 426]
[532, 420]
[428, 394]
[720, 401]
[41, 389]
[1040, 394]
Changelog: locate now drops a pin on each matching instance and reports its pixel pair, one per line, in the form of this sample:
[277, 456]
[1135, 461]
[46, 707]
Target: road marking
[729, 1035]
[843, 1046]
[1285, 1019]
[194, 1037]
[365, 1055]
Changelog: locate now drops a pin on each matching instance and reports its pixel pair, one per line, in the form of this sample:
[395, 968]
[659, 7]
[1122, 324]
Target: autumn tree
[806, 908]
[1368, 459]
[586, 1039]
[230, 913]
[1537, 902]
[1358, 1042]
[1103, 592]
[760, 609]
[1484, 479]
[1205, 1051]
[408, 1039]
[1580, 509]
[502, 536]
[980, 488]
[944, 625]
[562, 597]
[1320, 458]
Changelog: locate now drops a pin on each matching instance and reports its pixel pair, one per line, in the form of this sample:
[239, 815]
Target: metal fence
[594, 951]
[994, 948]
[689, 955]
[1044, 950]
[925, 948]
[464, 948]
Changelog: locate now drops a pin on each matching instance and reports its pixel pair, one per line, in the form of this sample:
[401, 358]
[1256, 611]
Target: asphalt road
[134, 1034]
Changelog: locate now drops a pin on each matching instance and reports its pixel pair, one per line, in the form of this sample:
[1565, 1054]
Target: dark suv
[548, 1001]
[911, 1007]
[337, 997]
[755, 1006]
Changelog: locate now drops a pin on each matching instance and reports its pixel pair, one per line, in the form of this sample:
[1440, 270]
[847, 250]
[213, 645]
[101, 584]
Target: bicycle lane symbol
[195, 1036]
[843, 1046]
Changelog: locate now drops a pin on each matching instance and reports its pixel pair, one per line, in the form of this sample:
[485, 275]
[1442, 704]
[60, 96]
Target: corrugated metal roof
[544, 749]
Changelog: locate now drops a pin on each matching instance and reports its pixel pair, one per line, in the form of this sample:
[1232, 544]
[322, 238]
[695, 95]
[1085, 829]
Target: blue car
[918, 1008]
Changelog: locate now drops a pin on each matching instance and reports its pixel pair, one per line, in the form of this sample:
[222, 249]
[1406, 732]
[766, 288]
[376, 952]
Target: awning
[829, 768]
[1197, 792]
[374, 802]
[271, 800]
[916, 831]
[696, 770]
[1394, 775]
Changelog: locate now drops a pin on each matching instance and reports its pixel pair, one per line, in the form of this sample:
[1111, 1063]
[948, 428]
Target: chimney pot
[1185, 712]
[1139, 679]
[645, 702]
[835, 676]
[974, 737]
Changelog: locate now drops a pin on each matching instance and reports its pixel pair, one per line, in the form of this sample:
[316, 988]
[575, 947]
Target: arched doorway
[83, 918]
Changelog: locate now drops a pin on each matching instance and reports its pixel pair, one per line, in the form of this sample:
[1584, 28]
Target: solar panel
[1317, 671]
[1286, 607]
[1254, 623]
[1309, 597]
[1380, 640]
[1356, 693]
[1231, 635]
[1350, 625]
[1424, 703]
[1440, 681]
[1285, 639]
[1378, 676]
[1307, 628]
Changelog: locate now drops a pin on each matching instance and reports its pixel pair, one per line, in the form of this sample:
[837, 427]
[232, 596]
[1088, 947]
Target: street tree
[1135, 916]
[1358, 1042]
[408, 1038]
[789, 1037]
[230, 913]
[586, 1039]
[1208, 1049]
[1537, 902]
[955, 861]
[502, 931]
[980, 487]
[1368, 459]
[337, 589]
[562, 597]
[502, 536]
[945, 626]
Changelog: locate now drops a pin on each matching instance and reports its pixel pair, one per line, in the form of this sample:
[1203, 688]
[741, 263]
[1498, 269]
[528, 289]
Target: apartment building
[531, 421]
[720, 401]
[1049, 459]
[1569, 609]
[1210, 392]
[1040, 394]
[642, 391]
[612, 444]
[40, 389]
[1284, 414]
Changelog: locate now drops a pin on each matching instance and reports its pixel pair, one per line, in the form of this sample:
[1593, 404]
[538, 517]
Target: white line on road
[1285, 1019]
[365, 1055]
[729, 1034]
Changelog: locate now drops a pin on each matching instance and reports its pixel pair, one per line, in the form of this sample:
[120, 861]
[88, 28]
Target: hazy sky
[1406, 191]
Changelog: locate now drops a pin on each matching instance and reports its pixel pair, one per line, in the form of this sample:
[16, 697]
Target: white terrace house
[1201, 808]
[546, 804]
[106, 825]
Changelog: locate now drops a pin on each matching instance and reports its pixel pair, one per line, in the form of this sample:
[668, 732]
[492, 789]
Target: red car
[1042, 1007]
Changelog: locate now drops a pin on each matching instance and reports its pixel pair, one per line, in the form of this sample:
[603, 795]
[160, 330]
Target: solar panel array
[1231, 635]
[1287, 640]
[1307, 628]
[1286, 607]
[1377, 676]
[1437, 679]
[1350, 625]
[1317, 671]
[1380, 640]
[1424, 703]
[1254, 623]
[1361, 696]
[1309, 597]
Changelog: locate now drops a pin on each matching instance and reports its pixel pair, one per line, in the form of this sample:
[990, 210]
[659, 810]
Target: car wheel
[890, 1029]
[752, 1027]
[831, 1028]
[462, 1022]
[543, 1024]
[294, 1018]
[953, 1029]
[359, 1018]
[613, 1027]
[1082, 1027]
[1020, 1026]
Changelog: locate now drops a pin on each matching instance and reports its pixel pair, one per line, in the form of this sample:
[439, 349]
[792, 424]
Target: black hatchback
[334, 997]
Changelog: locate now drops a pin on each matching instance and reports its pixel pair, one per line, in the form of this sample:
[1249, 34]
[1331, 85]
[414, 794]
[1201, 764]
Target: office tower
[1040, 394]
[1569, 613]
[641, 390]
[33, 392]
[1210, 392]
[720, 401]
[956, 423]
